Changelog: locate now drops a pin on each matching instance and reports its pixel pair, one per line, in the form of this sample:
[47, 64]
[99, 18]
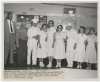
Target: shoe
[28, 63]
[41, 64]
[34, 62]
[78, 66]
[88, 68]
[59, 65]
[69, 66]
[49, 65]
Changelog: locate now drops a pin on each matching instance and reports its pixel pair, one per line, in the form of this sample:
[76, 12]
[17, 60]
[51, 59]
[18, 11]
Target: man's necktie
[11, 28]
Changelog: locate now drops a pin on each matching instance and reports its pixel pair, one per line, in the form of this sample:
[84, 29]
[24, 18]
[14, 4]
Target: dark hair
[82, 28]
[51, 21]
[43, 26]
[91, 29]
[8, 14]
[58, 27]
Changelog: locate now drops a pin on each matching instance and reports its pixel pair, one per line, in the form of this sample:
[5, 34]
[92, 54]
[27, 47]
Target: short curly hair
[82, 28]
[58, 27]
[43, 26]
[91, 29]
[8, 14]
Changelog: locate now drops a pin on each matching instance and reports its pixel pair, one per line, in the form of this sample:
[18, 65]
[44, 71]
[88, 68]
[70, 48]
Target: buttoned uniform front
[70, 51]
[32, 44]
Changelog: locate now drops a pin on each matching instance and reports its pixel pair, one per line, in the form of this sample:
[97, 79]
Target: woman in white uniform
[33, 37]
[59, 46]
[50, 32]
[80, 55]
[71, 37]
[42, 50]
[91, 48]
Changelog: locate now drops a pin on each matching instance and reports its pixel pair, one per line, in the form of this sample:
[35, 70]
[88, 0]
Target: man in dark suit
[21, 43]
[9, 38]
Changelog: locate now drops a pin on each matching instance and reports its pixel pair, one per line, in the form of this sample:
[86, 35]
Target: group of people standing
[53, 42]
[44, 40]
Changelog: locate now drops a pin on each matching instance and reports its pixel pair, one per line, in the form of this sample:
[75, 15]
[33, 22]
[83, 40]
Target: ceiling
[84, 5]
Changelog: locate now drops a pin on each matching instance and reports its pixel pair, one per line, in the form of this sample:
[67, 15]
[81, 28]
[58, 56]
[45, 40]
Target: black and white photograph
[51, 36]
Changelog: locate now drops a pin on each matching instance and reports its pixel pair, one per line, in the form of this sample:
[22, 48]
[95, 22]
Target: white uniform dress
[42, 52]
[70, 51]
[91, 50]
[80, 54]
[50, 34]
[59, 46]
[32, 45]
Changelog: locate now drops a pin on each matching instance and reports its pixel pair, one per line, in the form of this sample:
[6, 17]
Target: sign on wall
[69, 10]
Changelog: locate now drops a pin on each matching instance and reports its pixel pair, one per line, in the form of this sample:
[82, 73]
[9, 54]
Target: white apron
[50, 34]
[80, 54]
[59, 47]
[42, 52]
[72, 39]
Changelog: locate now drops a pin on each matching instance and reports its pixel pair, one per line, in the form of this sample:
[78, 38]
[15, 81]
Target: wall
[85, 16]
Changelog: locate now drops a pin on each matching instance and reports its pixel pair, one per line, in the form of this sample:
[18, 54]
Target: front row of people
[55, 43]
